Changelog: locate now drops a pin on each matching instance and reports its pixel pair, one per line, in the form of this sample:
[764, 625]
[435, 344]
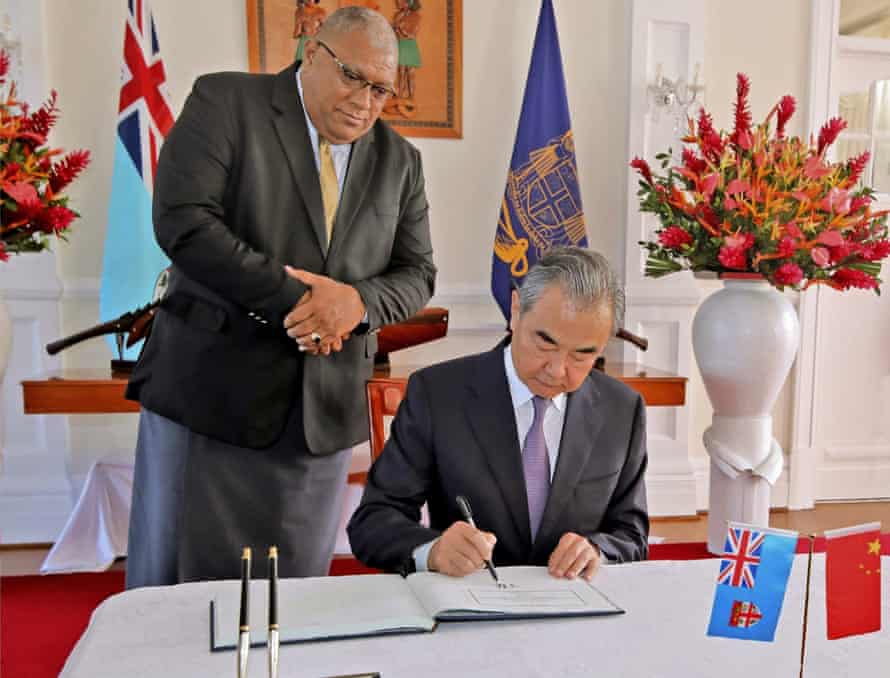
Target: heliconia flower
[733, 257]
[846, 278]
[742, 241]
[642, 167]
[785, 110]
[742, 112]
[788, 274]
[856, 166]
[674, 237]
[831, 238]
[837, 201]
[708, 184]
[875, 251]
[820, 256]
[829, 133]
[814, 168]
[738, 186]
[787, 247]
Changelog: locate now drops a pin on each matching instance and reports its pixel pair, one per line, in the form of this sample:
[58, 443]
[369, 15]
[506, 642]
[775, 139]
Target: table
[164, 632]
[97, 391]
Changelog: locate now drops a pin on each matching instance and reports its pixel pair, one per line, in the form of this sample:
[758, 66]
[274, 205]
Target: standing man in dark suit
[296, 223]
[550, 453]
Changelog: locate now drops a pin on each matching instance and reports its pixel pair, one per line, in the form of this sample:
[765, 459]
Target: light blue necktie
[536, 466]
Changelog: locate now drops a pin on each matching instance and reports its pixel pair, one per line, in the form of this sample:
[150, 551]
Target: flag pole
[806, 604]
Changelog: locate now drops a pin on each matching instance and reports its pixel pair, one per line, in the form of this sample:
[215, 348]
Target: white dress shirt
[524, 413]
[339, 152]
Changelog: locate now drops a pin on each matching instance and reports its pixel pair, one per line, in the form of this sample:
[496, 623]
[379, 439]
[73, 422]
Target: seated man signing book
[549, 452]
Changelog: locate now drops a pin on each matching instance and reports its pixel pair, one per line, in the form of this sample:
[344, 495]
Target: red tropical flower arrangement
[757, 201]
[32, 175]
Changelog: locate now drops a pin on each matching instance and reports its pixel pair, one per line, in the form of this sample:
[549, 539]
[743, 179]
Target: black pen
[273, 612]
[464, 507]
[244, 619]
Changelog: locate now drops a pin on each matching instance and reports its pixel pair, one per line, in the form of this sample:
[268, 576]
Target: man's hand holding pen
[325, 316]
[460, 550]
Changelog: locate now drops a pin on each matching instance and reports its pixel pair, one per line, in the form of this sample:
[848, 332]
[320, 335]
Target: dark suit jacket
[455, 433]
[236, 198]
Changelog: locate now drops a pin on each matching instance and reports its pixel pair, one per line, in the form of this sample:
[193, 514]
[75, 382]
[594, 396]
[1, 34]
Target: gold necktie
[330, 189]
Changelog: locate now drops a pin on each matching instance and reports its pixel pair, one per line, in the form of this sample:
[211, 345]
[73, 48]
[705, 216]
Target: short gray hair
[585, 277]
[373, 24]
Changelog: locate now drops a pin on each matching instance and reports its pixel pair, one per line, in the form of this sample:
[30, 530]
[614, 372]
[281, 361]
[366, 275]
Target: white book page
[323, 607]
[527, 591]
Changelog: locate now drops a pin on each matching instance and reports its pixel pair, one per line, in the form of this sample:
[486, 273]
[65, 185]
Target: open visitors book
[328, 608]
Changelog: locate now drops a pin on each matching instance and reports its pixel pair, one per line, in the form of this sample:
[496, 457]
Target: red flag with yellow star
[853, 580]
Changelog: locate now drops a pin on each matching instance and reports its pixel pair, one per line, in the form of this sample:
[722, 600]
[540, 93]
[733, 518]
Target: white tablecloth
[96, 531]
[164, 633]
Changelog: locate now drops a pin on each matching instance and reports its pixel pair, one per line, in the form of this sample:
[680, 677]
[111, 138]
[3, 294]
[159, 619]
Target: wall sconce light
[673, 96]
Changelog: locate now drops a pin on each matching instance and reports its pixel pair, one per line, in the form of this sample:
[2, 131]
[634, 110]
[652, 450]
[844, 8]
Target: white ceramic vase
[744, 337]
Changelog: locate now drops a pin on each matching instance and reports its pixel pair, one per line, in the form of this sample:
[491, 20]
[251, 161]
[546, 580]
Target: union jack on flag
[741, 558]
[144, 115]
[133, 259]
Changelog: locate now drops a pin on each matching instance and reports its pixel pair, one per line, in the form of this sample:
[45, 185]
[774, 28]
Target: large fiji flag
[542, 202]
[133, 259]
[751, 582]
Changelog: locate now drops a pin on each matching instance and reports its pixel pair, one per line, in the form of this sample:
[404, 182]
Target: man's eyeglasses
[356, 81]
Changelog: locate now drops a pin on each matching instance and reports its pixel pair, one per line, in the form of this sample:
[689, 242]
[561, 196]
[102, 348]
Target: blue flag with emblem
[542, 201]
[751, 582]
[132, 259]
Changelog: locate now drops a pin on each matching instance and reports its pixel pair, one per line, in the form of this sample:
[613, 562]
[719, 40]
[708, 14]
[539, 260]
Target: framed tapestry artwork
[429, 81]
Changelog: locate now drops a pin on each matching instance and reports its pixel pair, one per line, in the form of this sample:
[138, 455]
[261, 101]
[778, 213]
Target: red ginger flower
[784, 111]
[829, 133]
[788, 274]
[856, 166]
[742, 133]
[876, 250]
[36, 126]
[846, 278]
[674, 237]
[67, 169]
[642, 167]
[692, 162]
[55, 219]
[3, 255]
[4, 69]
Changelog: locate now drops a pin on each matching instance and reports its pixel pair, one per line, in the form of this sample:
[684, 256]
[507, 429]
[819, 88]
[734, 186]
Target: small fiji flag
[751, 582]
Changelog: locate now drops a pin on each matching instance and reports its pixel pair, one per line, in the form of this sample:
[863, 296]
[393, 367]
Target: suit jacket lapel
[290, 123]
[361, 168]
[490, 411]
[581, 426]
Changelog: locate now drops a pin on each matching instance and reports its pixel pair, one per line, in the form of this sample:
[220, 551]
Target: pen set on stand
[244, 616]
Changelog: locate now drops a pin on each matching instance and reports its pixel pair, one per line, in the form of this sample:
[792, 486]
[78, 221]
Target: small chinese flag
[853, 580]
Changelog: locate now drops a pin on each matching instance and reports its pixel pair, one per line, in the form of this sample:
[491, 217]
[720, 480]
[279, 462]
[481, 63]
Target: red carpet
[41, 617]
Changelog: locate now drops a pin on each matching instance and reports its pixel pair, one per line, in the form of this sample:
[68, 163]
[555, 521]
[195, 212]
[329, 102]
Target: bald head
[373, 25]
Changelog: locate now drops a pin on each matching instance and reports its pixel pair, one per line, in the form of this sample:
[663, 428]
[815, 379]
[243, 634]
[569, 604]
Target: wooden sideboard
[97, 391]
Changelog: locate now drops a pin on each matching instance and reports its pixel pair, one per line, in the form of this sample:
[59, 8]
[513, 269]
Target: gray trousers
[197, 501]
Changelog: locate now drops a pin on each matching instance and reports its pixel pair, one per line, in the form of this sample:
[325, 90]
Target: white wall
[465, 178]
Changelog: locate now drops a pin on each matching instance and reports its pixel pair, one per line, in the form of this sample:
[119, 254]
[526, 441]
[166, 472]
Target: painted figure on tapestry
[406, 23]
[307, 20]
